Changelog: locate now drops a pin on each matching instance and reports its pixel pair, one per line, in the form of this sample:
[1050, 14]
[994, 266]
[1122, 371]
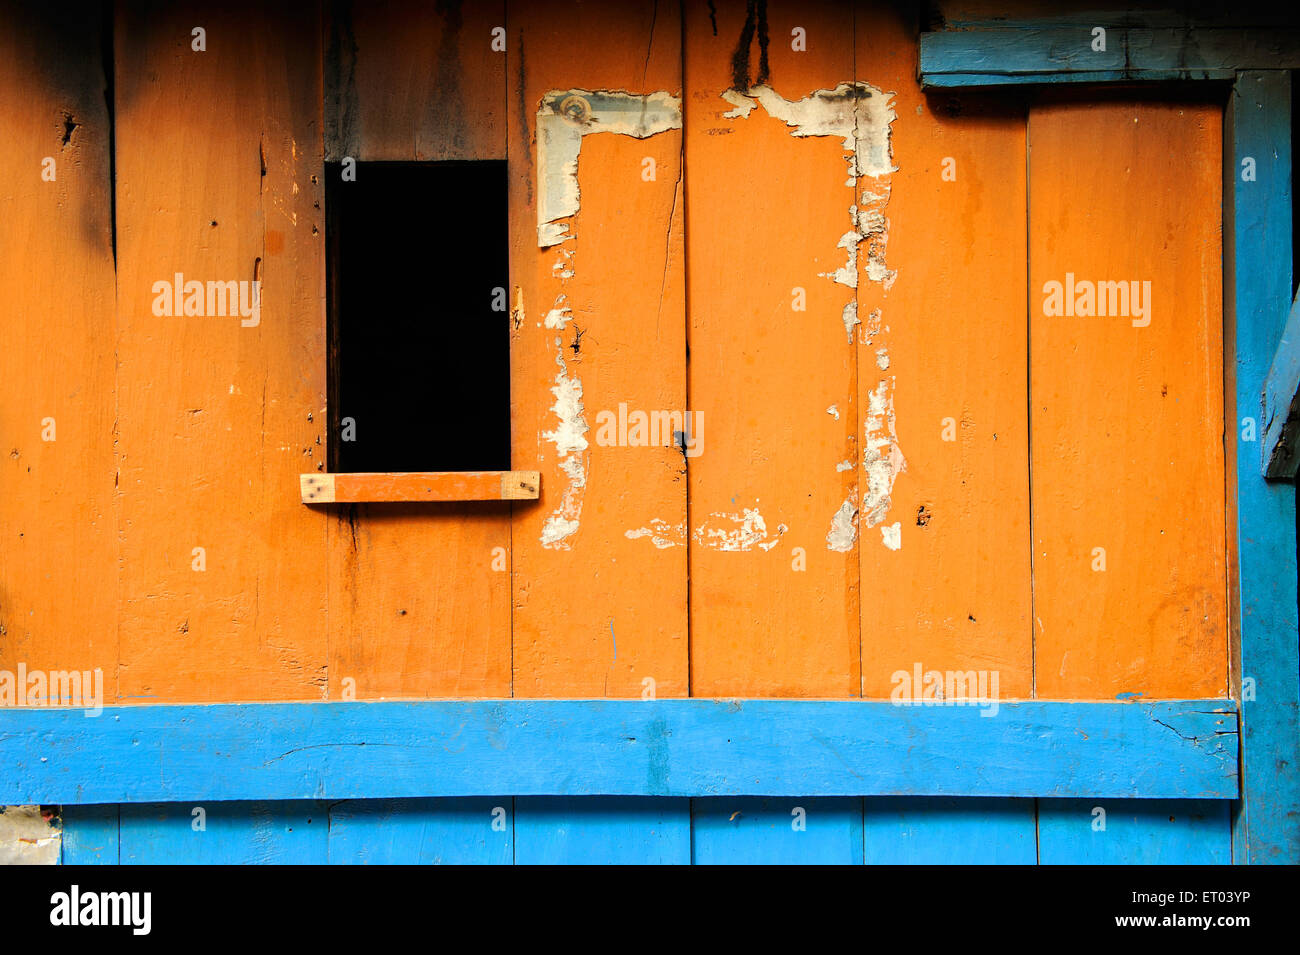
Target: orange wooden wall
[995, 446]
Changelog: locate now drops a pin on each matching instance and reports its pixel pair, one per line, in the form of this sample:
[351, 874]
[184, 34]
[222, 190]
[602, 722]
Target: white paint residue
[892, 535]
[27, 837]
[844, 528]
[563, 118]
[746, 531]
[662, 534]
[768, 545]
[834, 412]
[844, 466]
[559, 316]
[570, 443]
[850, 318]
[882, 358]
[882, 459]
[744, 105]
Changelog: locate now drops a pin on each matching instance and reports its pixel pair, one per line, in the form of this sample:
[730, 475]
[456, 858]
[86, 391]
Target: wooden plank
[772, 535]
[1137, 832]
[225, 833]
[1028, 48]
[58, 551]
[949, 831]
[561, 830]
[218, 181]
[1127, 402]
[1257, 231]
[90, 835]
[1175, 749]
[477, 831]
[420, 486]
[943, 351]
[747, 830]
[975, 80]
[598, 330]
[1281, 421]
[407, 80]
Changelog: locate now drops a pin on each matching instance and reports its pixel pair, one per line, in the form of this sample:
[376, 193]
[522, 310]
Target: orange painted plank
[599, 562]
[1127, 410]
[58, 564]
[222, 574]
[774, 608]
[420, 486]
[946, 351]
[411, 80]
[419, 596]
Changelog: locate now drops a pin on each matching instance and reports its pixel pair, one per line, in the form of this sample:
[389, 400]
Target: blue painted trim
[1281, 423]
[687, 747]
[1257, 290]
[977, 80]
[1035, 52]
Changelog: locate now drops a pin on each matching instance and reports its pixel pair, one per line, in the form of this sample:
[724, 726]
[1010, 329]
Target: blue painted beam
[1032, 52]
[1281, 423]
[1175, 749]
[1257, 297]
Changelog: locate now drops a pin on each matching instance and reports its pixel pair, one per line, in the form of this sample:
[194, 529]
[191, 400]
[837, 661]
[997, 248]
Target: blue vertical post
[1257, 291]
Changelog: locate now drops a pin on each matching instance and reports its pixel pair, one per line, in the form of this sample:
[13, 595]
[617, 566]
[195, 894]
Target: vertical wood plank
[409, 80]
[58, 564]
[758, 831]
[1137, 832]
[90, 835]
[599, 563]
[1127, 410]
[477, 831]
[773, 559]
[218, 179]
[1258, 236]
[232, 833]
[602, 830]
[911, 830]
[943, 350]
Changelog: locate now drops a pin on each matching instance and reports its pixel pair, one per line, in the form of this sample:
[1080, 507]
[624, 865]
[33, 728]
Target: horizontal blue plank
[1174, 749]
[1043, 52]
[1282, 403]
[976, 80]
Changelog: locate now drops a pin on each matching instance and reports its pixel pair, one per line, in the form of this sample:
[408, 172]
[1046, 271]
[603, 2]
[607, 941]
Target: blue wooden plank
[1134, 832]
[976, 80]
[90, 835]
[602, 830]
[1281, 446]
[1030, 49]
[232, 833]
[1178, 749]
[948, 831]
[465, 831]
[1257, 285]
[751, 830]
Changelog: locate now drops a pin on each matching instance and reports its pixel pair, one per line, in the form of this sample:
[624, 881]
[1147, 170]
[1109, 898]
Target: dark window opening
[417, 269]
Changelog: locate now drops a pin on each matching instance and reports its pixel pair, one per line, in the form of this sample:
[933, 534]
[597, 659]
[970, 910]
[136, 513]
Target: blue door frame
[701, 780]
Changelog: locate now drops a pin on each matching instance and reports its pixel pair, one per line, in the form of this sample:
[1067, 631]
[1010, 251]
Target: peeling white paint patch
[844, 528]
[562, 268]
[768, 545]
[850, 318]
[559, 316]
[563, 118]
[844, 466]
[834, 412]
[882, 358]
[27, 838]
[744, 105]
[740, 532]
[892, 535]
[662, 534]
[570, 441]
[882, 459]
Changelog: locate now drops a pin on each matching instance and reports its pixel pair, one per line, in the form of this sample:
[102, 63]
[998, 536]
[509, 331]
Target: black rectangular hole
[417, 272]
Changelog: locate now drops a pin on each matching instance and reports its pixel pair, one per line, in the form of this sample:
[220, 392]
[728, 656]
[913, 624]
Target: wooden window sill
[359, 488]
